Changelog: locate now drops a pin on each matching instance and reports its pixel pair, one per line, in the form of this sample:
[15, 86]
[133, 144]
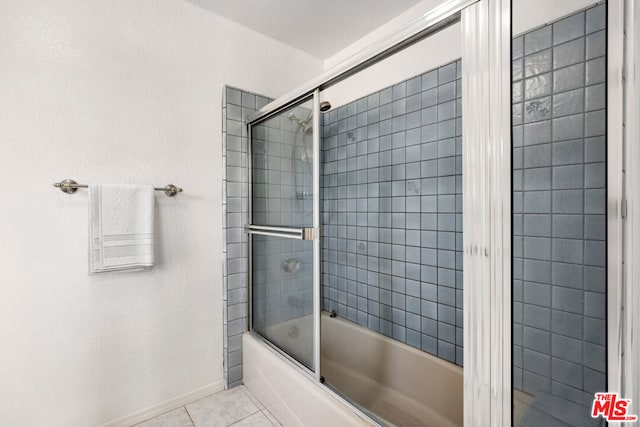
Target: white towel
[121, 227]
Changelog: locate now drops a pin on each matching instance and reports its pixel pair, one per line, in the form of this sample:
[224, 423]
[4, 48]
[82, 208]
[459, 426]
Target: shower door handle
[285, 232]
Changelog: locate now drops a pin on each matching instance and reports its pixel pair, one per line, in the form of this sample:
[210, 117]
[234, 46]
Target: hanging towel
[121, 227]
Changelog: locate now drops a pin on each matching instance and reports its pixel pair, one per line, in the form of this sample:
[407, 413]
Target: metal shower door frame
[298, 233]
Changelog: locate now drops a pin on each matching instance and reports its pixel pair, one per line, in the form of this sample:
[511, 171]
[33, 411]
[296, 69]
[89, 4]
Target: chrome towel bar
[69, 186]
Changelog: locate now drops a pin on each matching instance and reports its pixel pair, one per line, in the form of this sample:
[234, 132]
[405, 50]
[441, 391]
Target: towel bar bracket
[69, 186]
[171, 190]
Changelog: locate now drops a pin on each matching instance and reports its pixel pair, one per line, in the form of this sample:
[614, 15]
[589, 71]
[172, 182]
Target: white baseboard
[166, 406]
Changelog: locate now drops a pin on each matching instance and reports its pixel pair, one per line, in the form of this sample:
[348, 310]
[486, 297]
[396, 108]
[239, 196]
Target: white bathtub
[400, 384]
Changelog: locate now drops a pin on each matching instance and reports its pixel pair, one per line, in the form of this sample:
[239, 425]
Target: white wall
[115, 91]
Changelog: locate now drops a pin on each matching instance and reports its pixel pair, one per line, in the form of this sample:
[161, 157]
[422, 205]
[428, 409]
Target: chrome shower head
[305, 125]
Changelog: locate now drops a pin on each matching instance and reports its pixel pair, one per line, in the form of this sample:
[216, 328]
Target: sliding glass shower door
[282, 231]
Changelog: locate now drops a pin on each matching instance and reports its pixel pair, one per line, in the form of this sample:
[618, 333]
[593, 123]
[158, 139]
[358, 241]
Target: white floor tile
[176, 418]
[222, 409]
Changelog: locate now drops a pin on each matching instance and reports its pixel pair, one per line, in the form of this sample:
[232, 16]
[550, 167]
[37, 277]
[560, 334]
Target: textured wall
[392, 212]
[126, 92]
[559, 223]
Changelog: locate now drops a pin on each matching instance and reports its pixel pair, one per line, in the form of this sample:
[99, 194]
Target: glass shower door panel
[282, 270]
[282, 167]
[282, 221]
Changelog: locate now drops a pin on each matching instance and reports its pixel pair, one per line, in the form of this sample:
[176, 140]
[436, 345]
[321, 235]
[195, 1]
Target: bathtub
[401, 385]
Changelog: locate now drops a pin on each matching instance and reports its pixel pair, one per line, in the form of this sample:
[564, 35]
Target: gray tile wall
[559, 205]
[236, 106]
[392, 212]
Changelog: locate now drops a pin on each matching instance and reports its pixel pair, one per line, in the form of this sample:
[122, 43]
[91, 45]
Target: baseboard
[166, 406]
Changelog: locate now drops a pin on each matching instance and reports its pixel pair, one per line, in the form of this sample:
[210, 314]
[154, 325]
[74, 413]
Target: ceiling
[318, 27]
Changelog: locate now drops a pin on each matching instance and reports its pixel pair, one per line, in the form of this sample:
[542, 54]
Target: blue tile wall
[237, 105]
[559, 221]
[392, 212]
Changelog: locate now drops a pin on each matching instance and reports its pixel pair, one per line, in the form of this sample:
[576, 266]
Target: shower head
[306, 127]
[325, 106]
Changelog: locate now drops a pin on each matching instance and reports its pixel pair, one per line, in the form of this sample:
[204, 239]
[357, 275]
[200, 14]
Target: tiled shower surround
[559, 222]
[236, 107]
[392, 212]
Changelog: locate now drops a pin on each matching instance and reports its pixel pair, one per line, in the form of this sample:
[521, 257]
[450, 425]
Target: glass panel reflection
[282, 169]
[559, 214]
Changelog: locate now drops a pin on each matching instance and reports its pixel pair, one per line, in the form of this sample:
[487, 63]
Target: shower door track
[418, 29]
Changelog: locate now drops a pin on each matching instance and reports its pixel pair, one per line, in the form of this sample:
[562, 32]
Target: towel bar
[69, 186]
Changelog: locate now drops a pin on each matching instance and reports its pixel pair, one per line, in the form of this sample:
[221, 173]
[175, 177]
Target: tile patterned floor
[236, 407]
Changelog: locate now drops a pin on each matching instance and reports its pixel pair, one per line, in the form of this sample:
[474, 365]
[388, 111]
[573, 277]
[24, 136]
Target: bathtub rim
[309, 375]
